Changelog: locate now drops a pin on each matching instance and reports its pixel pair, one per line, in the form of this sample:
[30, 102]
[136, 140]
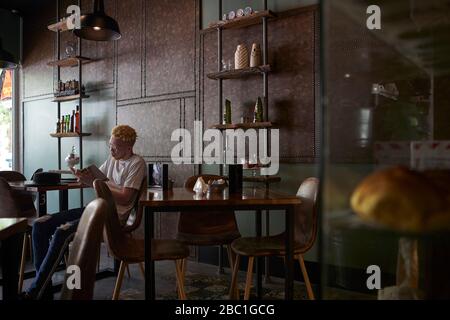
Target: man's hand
[84, 176]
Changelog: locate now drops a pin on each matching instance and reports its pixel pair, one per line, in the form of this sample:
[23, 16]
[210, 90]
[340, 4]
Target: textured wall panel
[170, 46]
[155, 122]
[129, 77]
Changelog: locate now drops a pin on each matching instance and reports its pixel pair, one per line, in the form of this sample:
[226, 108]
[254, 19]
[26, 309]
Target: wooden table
[41, 190]
[180, 199]
[11, 235]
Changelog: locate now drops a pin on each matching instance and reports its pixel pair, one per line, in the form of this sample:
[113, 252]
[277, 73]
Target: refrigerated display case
[385, 96]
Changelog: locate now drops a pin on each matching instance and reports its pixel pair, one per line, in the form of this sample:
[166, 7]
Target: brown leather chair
[210, 228]
[12, 176]
[136, 216]
[85, 250]
[17, 205]
[122, 246]
[305, 235]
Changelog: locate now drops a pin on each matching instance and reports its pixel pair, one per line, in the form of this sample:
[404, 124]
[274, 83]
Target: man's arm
[122, 195]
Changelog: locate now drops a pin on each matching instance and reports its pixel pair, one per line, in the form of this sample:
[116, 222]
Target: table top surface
[186, 197]
[29, 186]
[12, 226]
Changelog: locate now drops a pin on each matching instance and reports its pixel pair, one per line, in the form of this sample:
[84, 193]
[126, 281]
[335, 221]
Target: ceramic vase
[241, 57]
[255, 56]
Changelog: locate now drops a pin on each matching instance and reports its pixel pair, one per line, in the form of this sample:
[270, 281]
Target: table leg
[220, 270]
[267, 279]
[63, 200]
[258, 259]
[149, 263]
[42, 198]
[289, 257]
[10, 257]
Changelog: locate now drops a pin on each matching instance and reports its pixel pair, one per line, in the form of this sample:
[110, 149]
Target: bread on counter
[405, 200]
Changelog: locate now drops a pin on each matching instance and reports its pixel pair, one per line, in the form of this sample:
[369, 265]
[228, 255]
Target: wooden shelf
[254, 18]
[69, 62]
[69, 135]
[58, 26]
[70, 98]
[239, 73]
[251, 125]
[259, 167]
[262, 179]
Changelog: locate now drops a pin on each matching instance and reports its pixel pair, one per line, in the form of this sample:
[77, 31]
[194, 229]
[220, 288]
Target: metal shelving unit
[221, 75]
[77, 61]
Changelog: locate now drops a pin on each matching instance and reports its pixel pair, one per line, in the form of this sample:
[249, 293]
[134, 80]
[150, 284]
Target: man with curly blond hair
[125, 172]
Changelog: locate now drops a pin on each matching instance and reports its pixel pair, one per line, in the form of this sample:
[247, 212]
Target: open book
[95, 172]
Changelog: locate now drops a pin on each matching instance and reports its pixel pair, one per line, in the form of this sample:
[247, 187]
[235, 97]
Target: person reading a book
[124, 172]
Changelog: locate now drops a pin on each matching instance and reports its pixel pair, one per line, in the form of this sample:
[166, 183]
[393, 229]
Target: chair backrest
[136, 215]
[206, 228]
[12, 176]
[15, 203]
[85, 250]
[306, 215]
[113, 234]
[9, 207]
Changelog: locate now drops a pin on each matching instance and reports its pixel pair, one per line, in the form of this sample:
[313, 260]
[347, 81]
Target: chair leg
[98, 260]
[116, 293]
[305, 276]
[248, 282]
[180, 279]
[30, 244]
[141, 267]
[22, 262]
[232, 258]
[183, 267]
[128, 271]
[234, 290]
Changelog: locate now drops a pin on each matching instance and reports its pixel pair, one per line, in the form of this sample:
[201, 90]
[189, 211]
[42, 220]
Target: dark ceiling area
[23, 7]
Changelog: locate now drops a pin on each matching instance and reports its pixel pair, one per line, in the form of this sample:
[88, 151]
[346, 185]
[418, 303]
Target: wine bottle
[62, 125]
[77, 120]
[72, 119]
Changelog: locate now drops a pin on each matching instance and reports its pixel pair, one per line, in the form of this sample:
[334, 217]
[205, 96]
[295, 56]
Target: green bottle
[258, 112]
[227, 113]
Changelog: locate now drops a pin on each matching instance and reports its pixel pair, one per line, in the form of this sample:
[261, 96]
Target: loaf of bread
[405, 200]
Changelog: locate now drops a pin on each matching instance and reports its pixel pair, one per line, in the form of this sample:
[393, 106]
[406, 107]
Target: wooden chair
[17, 205]
[305, 235]
[212, 228]
[123, 247]
[84, 251]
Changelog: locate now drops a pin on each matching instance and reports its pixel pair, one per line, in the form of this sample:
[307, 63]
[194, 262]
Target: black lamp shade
[98, 26]
[6, 59]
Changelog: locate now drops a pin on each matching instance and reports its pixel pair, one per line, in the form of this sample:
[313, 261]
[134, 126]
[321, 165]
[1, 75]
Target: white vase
[241, 57]
[200, 186]
[255, 56]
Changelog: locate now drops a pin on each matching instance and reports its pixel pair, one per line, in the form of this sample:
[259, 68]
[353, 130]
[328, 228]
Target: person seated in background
[125, 172]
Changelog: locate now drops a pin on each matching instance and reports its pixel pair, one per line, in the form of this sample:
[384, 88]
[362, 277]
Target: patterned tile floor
[202, 283]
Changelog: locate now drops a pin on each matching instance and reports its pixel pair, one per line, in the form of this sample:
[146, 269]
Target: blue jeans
[50, 234]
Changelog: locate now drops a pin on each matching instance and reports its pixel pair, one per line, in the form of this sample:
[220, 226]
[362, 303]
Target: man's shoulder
[137, 160]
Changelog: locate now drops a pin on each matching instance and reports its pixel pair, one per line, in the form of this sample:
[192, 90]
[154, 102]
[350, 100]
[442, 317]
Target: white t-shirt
[125, 173]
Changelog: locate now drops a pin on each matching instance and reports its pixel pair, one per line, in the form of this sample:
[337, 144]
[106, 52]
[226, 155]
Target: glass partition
[386, 71]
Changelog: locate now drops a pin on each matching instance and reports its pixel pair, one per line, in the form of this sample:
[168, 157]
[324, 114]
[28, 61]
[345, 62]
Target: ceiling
[23, 7]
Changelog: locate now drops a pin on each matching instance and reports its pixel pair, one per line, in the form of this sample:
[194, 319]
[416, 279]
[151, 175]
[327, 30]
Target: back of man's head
[124, 133]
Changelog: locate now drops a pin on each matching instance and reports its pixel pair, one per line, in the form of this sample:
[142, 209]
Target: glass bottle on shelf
[62, 125]
[258, 112]
[77, 120]
[72, 120]
[227, 113]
